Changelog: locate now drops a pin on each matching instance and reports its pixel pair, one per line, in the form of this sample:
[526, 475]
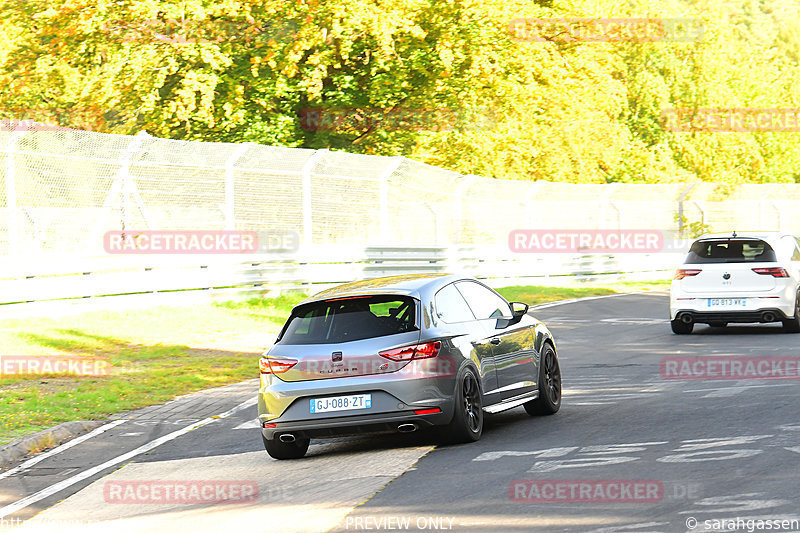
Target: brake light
[685, 273]
[275, 366]
[432, 411]
[775, 272]
[415, 351]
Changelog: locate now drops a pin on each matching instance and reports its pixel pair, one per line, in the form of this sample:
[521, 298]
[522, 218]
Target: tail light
[775, 272]
[685, 273]
[275, 366]
[414, 351]
[431, 411]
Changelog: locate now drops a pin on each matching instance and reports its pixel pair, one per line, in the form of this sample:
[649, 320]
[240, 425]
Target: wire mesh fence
[61, 190]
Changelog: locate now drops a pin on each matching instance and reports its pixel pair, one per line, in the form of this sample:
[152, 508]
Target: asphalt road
[631, 450]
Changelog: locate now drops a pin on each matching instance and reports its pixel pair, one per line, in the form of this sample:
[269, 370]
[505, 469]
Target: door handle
[495, 341]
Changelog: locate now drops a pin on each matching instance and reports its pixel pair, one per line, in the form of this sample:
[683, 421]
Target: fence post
[464, 182]
[383, 196]
[128, 187]
[702, 213]
[11, 186]
[607, 201]
[530, 199]
[308, 219]
[779, 212]
[681, 217]
[229, 207]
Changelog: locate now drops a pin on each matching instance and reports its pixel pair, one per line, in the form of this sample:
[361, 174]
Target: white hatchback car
[738, 278]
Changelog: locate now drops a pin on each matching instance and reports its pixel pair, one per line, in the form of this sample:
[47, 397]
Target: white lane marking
[250, 424]
[61, 485]
[718, 391]
[733, 390]
[66, 446]
[550, 452]
[634, 321]
[132, 434]
[580, 462]
[574, 300]
[734, 503]
[643, 527]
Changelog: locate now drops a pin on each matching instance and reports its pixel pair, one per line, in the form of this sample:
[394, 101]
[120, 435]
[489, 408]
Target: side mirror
[519, 309]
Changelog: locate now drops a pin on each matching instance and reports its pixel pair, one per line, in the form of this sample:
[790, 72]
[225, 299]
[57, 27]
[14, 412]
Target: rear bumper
[780, 301]
[707, 317]
[355, 425]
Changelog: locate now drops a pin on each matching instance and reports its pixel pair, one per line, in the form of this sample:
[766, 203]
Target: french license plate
[727, 302]
[341, 403]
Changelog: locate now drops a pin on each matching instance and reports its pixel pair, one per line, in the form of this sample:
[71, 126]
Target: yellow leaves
[445, 56]
[255, 63]
[194, 98]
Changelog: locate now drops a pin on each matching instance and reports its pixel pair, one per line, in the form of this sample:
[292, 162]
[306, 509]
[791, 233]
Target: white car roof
[769, 236]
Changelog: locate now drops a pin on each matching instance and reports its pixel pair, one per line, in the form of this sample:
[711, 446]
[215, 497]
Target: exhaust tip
[686, 318]
[286, 437]
[768, 317]
[407, 428]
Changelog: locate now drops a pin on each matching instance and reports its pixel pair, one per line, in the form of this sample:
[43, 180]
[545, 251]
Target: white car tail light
[775, 272]
[686, 272]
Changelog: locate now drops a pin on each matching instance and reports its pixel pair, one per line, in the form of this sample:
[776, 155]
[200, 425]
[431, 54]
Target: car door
[471, 336]
[512, 345]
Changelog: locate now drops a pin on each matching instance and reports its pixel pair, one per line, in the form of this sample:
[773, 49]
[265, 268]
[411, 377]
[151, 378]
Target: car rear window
[349, 319]
[731, 251]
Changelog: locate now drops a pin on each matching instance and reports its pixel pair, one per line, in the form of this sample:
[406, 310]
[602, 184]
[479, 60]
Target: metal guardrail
[36, 281]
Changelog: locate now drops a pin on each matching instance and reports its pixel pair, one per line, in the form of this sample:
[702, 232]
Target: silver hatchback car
[399, 354]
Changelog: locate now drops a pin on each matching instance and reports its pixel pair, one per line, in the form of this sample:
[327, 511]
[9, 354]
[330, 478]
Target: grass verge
[154, 354]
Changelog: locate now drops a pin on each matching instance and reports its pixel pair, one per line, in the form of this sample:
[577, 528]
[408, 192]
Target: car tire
[286, 450]
[467, 422]
[679, 328]
[792, 325]
[549, 400]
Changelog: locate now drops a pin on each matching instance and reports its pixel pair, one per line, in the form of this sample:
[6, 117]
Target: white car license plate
[341, 403]
[727, 302]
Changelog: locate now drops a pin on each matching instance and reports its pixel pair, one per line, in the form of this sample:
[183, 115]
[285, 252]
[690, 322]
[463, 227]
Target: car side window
[483, 302]
[451, 307]
[796, 254]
